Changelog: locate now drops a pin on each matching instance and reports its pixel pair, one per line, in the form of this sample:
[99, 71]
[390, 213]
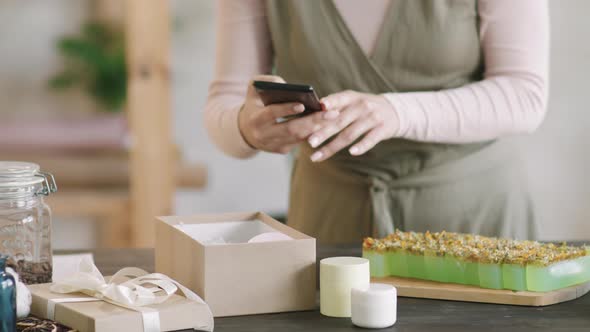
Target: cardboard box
[238, 278]
[177, 313]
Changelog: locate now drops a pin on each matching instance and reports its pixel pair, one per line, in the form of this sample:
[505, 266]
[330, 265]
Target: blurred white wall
[557, 155]
[29, 31]
[260, 183]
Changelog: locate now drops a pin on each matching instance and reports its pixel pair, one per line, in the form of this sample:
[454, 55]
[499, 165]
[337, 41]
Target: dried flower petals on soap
[476, 248]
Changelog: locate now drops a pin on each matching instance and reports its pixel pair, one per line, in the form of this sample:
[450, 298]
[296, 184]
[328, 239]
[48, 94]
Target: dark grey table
[413, 314]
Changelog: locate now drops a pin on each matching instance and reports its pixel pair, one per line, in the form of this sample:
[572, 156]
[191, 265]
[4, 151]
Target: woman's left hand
[359, 114]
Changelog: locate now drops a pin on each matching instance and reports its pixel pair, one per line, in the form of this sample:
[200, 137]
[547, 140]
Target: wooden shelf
[104, 171]
[96, 186]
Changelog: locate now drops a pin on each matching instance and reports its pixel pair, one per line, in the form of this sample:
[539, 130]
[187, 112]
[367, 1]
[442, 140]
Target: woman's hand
[259, 124]
[358, 114]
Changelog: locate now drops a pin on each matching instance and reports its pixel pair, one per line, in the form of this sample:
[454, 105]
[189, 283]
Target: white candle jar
[25, 220]
[338, 276]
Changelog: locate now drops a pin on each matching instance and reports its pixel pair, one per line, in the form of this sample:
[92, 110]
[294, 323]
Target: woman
[419, 93]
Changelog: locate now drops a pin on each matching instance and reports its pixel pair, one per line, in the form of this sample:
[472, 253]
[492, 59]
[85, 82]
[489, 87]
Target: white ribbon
[130, 288]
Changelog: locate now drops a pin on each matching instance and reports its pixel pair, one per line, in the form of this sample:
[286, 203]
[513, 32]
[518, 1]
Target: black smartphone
[276, 93]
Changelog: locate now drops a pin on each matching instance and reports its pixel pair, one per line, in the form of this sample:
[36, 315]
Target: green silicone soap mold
[532, 266]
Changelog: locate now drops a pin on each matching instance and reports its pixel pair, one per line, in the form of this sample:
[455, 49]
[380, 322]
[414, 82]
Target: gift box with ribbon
[131, 300]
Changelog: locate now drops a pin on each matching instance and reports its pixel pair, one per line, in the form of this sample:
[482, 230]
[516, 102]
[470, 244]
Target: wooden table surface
[413, 314]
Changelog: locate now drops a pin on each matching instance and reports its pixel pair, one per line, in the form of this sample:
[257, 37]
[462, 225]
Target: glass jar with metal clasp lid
[25, 220]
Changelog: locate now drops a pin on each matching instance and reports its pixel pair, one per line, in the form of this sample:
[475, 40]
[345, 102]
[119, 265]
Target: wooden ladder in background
[147, 35]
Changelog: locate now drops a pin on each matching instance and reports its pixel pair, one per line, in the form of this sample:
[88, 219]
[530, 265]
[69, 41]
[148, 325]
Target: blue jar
[7, 299]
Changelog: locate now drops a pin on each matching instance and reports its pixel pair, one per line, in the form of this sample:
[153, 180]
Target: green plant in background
[95, 61]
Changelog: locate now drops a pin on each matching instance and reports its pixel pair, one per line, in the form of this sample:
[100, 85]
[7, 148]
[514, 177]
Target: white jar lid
[375, 306]
[17, 174]
[376, 291]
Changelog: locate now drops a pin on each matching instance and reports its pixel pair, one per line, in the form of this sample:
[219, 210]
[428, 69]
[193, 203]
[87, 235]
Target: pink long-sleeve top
[511, 99]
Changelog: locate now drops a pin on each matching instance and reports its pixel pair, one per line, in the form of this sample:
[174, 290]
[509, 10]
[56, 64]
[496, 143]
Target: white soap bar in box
[270, 237]
[374, 307]
[227, 232]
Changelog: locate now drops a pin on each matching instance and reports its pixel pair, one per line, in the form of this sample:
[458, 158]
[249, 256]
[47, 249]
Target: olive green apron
[424, 45]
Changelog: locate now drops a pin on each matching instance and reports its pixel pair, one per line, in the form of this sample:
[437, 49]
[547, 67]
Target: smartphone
[276, 93]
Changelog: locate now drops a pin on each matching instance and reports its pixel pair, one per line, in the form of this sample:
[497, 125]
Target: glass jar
[7, 299]
[25, 220]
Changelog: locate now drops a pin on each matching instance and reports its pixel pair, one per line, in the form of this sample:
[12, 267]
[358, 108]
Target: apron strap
[383, 223]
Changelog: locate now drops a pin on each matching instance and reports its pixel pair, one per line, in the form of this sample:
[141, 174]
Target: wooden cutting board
[408, 287]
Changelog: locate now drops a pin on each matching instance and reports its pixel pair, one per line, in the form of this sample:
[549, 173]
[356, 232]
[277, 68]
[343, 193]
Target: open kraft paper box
[233, 276]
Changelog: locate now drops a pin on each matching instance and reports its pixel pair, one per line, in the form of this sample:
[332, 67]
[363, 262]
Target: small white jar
[374, 307]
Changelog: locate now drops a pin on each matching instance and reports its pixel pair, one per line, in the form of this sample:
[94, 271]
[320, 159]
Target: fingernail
[354, 150]
[316, 156]
[314, 141]
[299, 108]
[326, 104]
[330, 115]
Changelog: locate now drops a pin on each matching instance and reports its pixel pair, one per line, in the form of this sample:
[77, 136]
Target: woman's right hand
[260, 129]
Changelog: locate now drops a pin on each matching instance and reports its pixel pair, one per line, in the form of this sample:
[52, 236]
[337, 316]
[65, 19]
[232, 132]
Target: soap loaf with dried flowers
[478, 260]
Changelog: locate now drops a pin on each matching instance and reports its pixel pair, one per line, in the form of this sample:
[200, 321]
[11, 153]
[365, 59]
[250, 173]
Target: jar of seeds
[25, 220]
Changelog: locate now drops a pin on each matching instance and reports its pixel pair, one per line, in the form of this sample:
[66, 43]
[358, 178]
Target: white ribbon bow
[125, 289]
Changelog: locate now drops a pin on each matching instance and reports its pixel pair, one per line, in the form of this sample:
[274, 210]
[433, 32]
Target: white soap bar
[375, 307]
[270, 237]
[338, 276]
